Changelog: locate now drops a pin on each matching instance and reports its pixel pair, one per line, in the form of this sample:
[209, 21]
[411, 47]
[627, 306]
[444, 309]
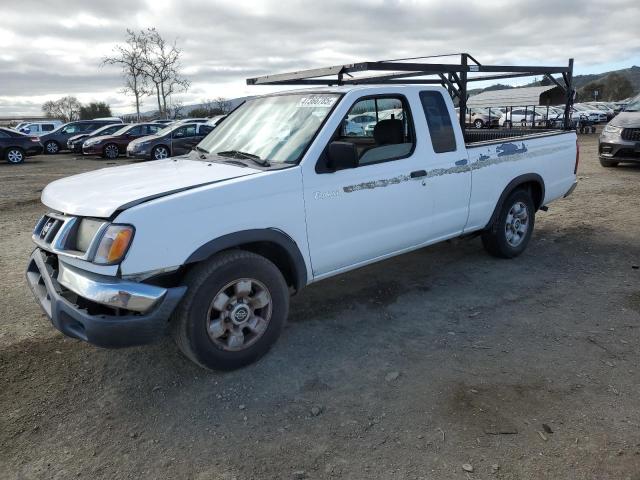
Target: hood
[143, 139]
[103, 192]
[78, 137]
[102, 138]
[626, 119]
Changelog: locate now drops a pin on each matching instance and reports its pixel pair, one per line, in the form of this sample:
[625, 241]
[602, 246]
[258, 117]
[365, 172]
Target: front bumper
[138, 152]
[104, 311]
[92, 150]
[618, 150]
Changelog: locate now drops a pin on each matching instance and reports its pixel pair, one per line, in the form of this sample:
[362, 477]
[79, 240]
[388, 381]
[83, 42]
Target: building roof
[519, 97]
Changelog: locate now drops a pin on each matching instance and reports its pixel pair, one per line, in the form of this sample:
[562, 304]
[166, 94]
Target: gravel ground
[408, 369]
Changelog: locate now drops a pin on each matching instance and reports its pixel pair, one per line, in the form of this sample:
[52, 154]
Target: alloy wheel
[15, 156]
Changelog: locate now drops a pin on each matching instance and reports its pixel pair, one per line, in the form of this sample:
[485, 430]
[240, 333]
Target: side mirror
[342, 155]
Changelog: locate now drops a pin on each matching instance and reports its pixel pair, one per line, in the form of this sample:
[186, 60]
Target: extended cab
[210, 245]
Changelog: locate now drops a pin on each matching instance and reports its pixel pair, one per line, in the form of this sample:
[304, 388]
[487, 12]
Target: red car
[111, 146]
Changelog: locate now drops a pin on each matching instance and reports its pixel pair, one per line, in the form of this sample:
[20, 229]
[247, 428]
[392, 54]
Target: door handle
[464, 161]
[418, 174]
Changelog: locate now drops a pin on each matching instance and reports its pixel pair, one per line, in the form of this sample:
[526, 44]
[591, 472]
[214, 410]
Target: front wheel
[234, 310]
[509, 235]
[478, 124]
[15, 155]
[51, 147]
[111, 151]
[160, 152]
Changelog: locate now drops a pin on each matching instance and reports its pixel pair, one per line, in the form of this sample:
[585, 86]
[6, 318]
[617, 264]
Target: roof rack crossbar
[453, 76]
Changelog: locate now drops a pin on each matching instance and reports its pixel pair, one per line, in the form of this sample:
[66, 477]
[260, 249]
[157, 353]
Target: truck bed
[472, 137]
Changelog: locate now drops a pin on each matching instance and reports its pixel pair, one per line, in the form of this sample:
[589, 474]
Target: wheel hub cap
[239, 314]
[517, 224]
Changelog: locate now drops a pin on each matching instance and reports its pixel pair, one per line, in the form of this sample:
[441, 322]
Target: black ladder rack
[452, 76]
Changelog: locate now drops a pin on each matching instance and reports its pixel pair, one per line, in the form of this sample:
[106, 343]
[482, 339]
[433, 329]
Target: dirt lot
[403, 370]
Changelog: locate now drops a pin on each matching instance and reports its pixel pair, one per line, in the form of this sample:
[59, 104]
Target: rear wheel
[160, 152]
[234, 310]
[478, 124]
[608, 163]
[509, 235]
[14, 155]
[111, 151]
[51, 147]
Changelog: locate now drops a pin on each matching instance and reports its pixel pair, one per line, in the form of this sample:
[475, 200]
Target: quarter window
[441, 130]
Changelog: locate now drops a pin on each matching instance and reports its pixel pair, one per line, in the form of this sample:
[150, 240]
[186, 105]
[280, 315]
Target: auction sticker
[323, 101]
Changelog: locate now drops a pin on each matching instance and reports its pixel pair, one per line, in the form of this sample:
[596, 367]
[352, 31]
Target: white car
[521, 116]
[594, 115]
[357, 124]
[210, 245]
[39, 128]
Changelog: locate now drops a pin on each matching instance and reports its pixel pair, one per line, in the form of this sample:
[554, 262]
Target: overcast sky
[49, 49]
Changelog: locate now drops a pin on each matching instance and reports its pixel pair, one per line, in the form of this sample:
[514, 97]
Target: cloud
[225, 42]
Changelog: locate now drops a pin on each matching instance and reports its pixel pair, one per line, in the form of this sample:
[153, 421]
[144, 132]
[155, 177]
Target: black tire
[191, 322]
[14, 155]
[608, 163]
[111, 151]
[478, 124]
[495, 239]
[156, 152]
[51, 147]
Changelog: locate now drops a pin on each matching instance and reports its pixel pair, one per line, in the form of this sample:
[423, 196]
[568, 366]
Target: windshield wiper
[201, 150]
[248, 156]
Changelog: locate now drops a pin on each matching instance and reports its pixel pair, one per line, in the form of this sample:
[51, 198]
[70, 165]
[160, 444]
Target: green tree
[610, 88]
[94, 110]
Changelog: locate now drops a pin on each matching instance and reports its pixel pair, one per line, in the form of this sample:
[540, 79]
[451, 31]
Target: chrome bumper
[110, 291]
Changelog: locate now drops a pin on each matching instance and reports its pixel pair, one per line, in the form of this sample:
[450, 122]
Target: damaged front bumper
[105, 311]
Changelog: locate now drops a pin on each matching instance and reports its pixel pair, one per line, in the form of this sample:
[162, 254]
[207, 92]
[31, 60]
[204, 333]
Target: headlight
[88, 143]
[612, 129]
[114, 244]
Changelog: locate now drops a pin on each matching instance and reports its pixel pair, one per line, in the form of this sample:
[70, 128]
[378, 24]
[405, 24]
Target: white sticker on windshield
[322, 101]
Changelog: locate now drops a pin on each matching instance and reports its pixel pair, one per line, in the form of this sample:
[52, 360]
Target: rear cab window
[441, 130]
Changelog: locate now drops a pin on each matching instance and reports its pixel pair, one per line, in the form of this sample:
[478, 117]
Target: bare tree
[130, 57]
[162, 66]
[66, 108]
[222, 105]
[175, 110]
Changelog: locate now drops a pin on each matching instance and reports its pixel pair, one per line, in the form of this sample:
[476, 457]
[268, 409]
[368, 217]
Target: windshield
[277, 129]
[123, 130]
[166, 130]
[633, 105]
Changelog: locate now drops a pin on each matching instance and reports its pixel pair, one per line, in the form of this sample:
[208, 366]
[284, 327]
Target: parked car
[214, 121]
[357, 124]
[481, 117]
[620, 139]
[521, 116]
[595, 115]
[39, 128]
[56, 141]
[112, 146]
[275, 198]
[16, 146]
[172, 141]
[74, 144]
[192, 120]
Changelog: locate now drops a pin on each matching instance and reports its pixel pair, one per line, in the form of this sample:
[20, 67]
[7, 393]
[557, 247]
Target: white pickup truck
[211, 245]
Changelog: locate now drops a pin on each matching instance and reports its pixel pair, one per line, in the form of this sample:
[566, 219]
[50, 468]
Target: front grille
[47, 229]
[631, 134]
[73, 236]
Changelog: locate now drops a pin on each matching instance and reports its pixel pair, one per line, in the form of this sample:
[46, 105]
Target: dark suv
[620, 139]
[174, 140]
[75, 143]
[57, 140]
[111, 146]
